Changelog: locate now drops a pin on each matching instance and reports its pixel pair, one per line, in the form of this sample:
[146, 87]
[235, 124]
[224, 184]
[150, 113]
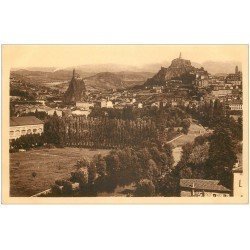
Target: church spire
[180, 56]
[236, 70]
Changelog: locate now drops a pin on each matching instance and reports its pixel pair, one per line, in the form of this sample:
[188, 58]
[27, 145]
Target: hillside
[118, 80]
[45, 77]
[179, 69]
[102, 80]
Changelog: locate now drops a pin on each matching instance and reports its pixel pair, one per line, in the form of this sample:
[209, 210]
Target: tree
[186, 151]
[222, 155]
[185, 125]
[151, 170]
[101, 166]
[199, 154]
[56, 190]
[168, 185]
[168, 149]
[145, 188]
[67, 189]
[91, 173]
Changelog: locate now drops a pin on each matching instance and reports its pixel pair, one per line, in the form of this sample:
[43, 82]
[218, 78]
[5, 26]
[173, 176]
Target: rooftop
[24, 120]
[238, 170]
[200, 184]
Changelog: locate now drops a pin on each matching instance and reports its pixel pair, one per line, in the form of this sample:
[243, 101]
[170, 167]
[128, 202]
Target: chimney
[73, 73]
[180, 56]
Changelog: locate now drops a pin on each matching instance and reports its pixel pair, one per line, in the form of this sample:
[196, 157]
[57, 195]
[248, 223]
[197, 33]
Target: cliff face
[179, 68]
[76, 90]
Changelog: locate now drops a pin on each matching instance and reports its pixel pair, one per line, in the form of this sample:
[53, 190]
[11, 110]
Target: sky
[61, 56]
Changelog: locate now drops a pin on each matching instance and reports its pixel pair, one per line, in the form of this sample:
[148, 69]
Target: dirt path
[195, 130]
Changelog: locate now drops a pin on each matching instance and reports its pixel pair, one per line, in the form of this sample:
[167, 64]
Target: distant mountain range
[109, 76]
[221, 67]
[212, 67]
[93, 81]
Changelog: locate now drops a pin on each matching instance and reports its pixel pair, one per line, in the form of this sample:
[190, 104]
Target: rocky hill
[179, 69]
[76, 90]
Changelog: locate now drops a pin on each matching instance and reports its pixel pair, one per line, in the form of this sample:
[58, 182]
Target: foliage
[56, 190]
[98, 132]
[213, 114]
[24, 94]
[209, 157]
[42, 115]
[145, 188]
[67, 189]
[141, 166]
[222, 155]
[28, 141]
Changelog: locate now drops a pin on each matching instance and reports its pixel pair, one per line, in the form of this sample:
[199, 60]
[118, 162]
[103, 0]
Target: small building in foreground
[203, 188]
[238, 182]
[24, 125]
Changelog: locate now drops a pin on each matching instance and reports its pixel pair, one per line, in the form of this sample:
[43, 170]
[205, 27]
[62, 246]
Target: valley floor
[47, 165]
[36, 170]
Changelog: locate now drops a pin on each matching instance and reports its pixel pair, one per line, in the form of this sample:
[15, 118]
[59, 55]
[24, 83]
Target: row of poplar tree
[98, 132]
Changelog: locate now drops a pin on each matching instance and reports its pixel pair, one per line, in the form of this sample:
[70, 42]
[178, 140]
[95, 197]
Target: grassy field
[194, 131]
[48, 164]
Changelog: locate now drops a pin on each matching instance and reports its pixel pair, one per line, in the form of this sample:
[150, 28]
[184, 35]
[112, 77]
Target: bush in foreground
[145, 188]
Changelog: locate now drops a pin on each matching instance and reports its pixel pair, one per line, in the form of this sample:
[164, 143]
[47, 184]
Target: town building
[84, 105]
[109, 104]
[235, 105]
[201, 78]
[25, 125]
[236, 78]
[140, 105]
[221, 92]
[80, 112]
[238, 181]
[157, 89]
[105, 104]
[203, 188]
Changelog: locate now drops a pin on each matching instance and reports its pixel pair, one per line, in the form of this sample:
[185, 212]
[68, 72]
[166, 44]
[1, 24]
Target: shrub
[34, 174]
[67, 189]
[56, 190]
[145, 188]
[80, 176]
[59, 182]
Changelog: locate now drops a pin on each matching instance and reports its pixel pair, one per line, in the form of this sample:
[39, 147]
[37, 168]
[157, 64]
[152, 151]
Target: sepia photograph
[125, 124]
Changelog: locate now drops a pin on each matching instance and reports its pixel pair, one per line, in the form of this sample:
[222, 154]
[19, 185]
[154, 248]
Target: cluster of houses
[229, 90]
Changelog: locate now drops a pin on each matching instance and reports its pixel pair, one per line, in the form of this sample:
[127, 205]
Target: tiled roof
[24, 120]
[238, 170]
[200, 184]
